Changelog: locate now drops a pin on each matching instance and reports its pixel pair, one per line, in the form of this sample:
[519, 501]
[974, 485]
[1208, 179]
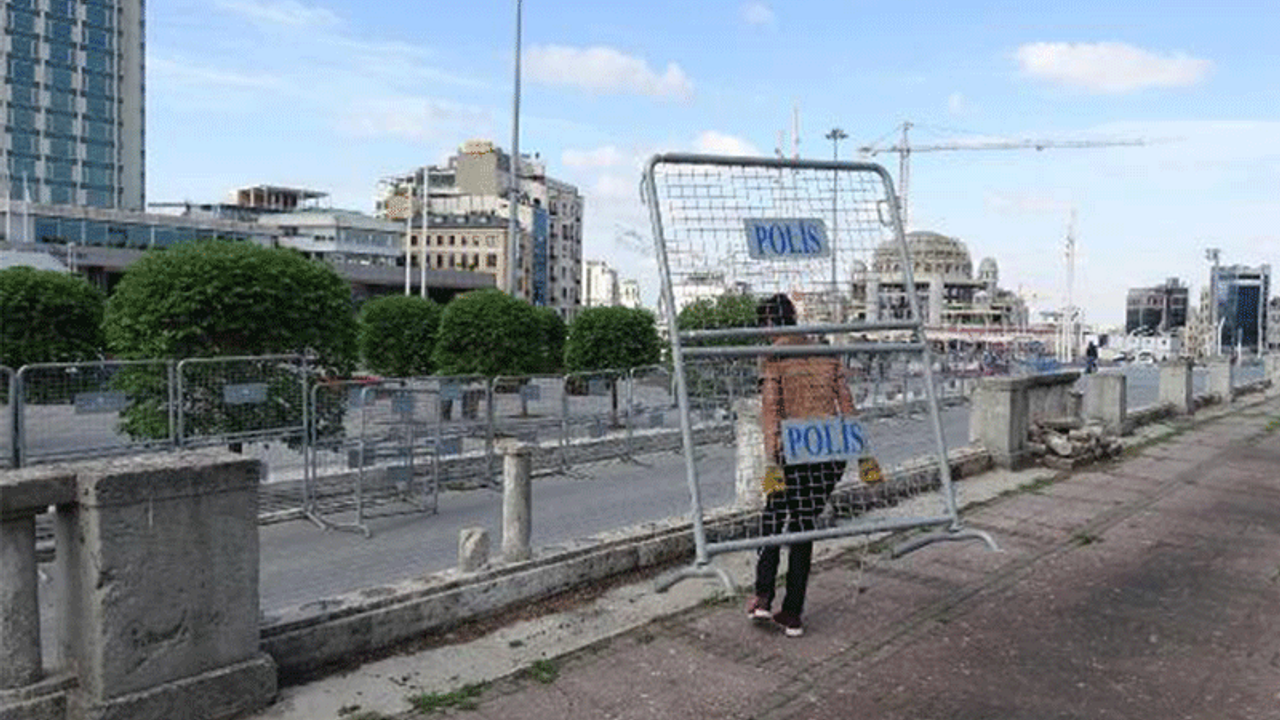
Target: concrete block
[1106, 400]
[45, 700]
[473, 549]
[1176, 387]
[1222, 380]
[164, 550]
[750, 465]
[20, 658]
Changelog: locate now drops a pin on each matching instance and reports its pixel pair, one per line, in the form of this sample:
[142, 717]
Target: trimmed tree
[398, 335]
[48, 316]
[219, 298]
[554, 333]
[487, 332]
[612, 338]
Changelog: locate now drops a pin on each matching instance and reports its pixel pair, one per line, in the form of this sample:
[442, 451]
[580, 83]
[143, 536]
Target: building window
[491, 260]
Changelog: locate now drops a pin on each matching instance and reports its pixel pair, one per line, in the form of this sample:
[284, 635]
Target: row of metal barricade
[333, 448]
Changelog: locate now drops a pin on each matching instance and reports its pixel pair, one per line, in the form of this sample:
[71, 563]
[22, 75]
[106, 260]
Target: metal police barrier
[528, 408]
[236, 400]
[92, 409]
[394, 456]
[464, 409]
[592, 410]
[815, 252]
[651, 404]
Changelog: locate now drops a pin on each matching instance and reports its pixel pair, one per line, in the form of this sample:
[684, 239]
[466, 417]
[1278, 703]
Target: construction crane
[905, 149]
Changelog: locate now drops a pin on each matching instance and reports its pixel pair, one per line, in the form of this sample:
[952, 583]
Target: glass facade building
[73, 102]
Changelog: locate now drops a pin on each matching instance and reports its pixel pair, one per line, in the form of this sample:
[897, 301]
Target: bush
[398, 335]
[487, 332]
[48, 316]
[210, 299]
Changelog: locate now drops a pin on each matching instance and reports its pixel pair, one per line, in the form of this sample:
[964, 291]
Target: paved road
[301, 563]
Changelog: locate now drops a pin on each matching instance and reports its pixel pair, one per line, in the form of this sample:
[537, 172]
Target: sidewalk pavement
[1144, 588]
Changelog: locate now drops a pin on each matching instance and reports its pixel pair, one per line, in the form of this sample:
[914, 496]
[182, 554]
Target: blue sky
[334, 94]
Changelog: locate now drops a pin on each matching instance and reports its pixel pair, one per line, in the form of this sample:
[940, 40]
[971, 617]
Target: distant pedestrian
[793, 387]
[1091, 358]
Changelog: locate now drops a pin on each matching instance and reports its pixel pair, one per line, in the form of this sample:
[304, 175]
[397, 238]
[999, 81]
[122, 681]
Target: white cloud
[958, 104]
[757, 13]
[717, 143]
[189, 75]
[1025, 203]
[413, 118]
[1109, 67]
[604, 70]
[280, 12]
[601, 157]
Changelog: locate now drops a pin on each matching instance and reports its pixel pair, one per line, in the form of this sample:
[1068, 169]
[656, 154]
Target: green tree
[612, 338]
[398, 335]
[487, 332]
[726, 311]
[48, 316]
[711, 379]
[553, 339]
[218, 298]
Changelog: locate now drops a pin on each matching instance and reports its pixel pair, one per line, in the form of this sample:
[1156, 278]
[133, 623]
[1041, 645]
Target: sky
[335, 94]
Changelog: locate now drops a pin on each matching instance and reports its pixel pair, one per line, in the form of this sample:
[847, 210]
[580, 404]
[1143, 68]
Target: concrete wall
[1003, 409]
[157, 567]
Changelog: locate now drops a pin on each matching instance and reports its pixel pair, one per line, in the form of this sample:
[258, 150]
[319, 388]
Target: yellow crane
[905, 149]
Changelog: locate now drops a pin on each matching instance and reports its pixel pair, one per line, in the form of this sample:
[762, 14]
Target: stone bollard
[1176, 387]
[1106, 400]
[1222, 380]
[473, 549]
[1271, 365]
[750, 465]
[517, 500]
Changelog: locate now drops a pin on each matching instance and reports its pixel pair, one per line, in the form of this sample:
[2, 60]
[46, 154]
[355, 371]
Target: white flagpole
[426, 223]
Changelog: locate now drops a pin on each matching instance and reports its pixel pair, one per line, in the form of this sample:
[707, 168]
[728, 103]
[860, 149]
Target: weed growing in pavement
[464, 698]
[1084, 538]
[544, 671]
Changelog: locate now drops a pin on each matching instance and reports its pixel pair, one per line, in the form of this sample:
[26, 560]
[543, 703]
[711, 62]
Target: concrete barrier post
[1106, 400]
[517, 500]
[19, 610]
[1000, 420]
[1222, 380]
[1176, 387]
[1271, 366]
[165, 556]
[750, 465]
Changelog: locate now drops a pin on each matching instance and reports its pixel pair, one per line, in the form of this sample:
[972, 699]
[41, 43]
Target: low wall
[335, 632]
[1005, 407]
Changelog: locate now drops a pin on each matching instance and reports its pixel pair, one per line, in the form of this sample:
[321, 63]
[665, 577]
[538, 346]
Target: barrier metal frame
[303, 370]
[949, 520]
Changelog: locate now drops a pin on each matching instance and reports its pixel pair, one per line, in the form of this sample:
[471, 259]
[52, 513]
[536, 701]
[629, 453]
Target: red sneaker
[758, 608]
[790, 623]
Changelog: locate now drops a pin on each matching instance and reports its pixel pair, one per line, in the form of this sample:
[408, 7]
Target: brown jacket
[799, 387]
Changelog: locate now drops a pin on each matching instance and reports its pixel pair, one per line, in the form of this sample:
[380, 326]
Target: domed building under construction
[951, 296]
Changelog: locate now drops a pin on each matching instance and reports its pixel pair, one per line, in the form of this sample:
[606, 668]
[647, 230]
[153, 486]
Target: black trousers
[793, 510]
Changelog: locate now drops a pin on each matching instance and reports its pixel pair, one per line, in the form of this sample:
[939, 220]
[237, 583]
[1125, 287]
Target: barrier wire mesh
[794, 300]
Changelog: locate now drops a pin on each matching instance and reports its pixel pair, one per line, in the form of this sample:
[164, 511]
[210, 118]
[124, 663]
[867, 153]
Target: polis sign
[786, 238]
[813, 440]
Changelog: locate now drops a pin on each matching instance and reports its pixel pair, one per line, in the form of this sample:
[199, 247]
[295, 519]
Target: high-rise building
[1240, 303]
[73, 102]
[600, 284]
[1157, 310]
[476, 182]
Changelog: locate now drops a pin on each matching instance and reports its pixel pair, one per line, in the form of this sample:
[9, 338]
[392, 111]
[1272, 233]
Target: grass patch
[1039, 484]
[544, 671]
[464, 698]
[1084, 538]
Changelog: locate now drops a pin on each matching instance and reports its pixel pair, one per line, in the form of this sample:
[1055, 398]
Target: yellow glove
[774, 481]
[869, 470]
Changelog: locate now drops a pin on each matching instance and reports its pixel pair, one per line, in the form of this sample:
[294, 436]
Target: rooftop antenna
[795, 131]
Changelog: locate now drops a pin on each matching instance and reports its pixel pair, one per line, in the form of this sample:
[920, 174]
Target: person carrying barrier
[796, 493]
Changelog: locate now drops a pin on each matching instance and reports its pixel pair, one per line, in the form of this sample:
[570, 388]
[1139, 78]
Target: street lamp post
[835, 136]
[1212, 255]
[513, 223]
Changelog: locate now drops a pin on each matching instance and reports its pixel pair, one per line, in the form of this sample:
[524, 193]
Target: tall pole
[904, 175]
[835, 136]
[1212, 255]
[426, 225]
[513, 224]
